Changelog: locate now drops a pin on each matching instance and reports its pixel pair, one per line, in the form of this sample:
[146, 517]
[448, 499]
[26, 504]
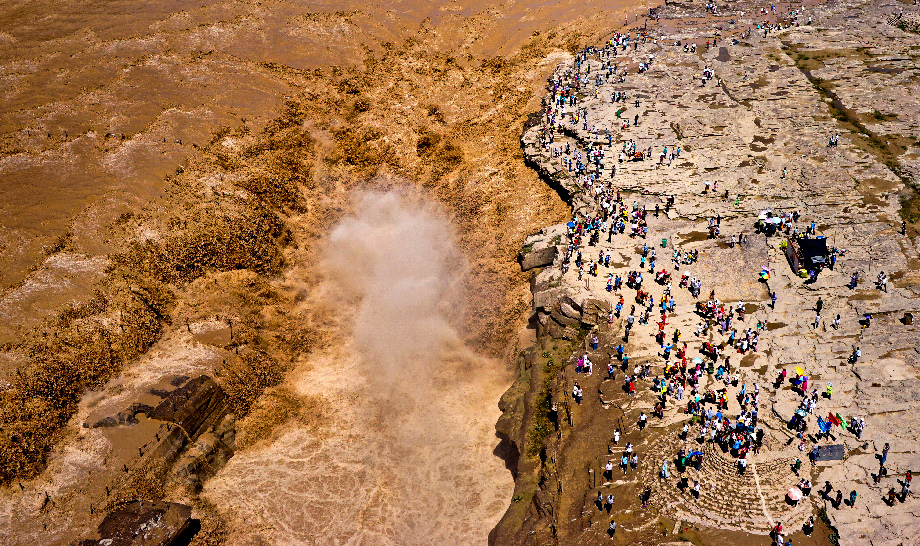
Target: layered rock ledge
[754, 137]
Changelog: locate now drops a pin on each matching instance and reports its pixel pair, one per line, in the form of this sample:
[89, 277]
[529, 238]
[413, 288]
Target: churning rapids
[409, 458]
[176, 121]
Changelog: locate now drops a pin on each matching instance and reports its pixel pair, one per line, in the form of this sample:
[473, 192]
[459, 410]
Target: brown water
[409, 459]
[103, 101]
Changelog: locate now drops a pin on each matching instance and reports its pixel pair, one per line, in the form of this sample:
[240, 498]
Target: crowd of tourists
[721, 410]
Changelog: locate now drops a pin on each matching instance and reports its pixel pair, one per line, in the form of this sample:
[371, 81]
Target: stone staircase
[727, 500]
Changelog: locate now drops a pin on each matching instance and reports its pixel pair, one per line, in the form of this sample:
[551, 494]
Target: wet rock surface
[194, 406]
[184, 439]
[144, 524]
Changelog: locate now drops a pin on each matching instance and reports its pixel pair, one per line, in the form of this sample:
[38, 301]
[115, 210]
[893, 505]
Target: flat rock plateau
[755, 136]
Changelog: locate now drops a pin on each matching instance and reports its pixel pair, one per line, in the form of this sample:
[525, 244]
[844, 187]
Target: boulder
[569, 308]
[171, 445]
[208, 454]
[537, 256]
[545, 299]
[142, 523]
[563, 320]
[195, 406]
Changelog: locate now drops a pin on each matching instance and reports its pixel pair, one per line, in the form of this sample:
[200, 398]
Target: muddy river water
[101, 102]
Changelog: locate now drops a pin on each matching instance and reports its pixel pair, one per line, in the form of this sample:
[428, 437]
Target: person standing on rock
[777, 530]
[819, 305]
[809, 526]
[664, 469]
[612, 529]
[616, 437]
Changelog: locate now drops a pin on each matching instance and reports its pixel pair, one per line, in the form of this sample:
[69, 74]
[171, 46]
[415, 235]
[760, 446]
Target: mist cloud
[397, 254]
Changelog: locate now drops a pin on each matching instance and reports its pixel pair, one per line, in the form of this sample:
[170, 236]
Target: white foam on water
[408, 458]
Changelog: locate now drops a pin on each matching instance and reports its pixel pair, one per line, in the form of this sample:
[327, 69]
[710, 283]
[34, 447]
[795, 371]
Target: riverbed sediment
[206, 177]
